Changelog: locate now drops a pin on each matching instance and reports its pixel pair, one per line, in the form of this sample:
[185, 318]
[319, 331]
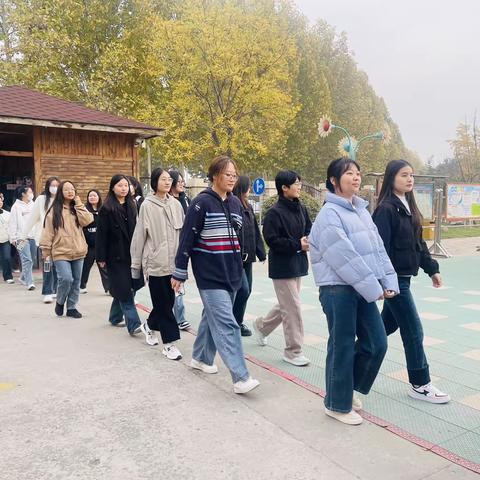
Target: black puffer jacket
[403, 243]
[284, 225]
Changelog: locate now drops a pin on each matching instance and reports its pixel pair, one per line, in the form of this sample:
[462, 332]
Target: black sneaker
[245, 331]
[184, 325]
[74, 313]
[58, 309]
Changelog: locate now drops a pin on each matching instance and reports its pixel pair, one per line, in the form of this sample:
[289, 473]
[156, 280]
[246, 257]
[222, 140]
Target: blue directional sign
[258, 186]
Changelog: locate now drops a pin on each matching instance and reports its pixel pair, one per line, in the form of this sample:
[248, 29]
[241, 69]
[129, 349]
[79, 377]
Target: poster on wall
[463, 201]
[424, 197]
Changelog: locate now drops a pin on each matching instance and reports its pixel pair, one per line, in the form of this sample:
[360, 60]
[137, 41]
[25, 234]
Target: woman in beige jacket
[63, 242]
[154, 246]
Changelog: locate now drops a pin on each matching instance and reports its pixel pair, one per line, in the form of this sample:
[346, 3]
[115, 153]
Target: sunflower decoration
[325, 127]
[386, 135]
[345, 146]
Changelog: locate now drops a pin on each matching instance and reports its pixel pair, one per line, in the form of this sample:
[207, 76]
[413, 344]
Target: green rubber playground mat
[451, 321]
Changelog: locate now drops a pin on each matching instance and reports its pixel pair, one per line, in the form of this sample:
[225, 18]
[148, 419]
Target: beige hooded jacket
[156, 237]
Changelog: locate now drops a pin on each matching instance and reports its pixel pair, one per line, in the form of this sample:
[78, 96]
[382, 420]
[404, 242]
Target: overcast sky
[421, 56]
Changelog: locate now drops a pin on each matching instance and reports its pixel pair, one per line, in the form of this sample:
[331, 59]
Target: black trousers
[161, 317]
[87, 266]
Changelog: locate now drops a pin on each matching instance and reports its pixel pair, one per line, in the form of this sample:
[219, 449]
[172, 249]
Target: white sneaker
[246, 385]
[259, 336]
[356, 404]
[10, 281]
[171, 352]
[31, 287]
[47, 299]
[203, 366]
[298, 361]
[428, 393]
[150, 336]
[83, 290]
[54, 295]
[350, 418]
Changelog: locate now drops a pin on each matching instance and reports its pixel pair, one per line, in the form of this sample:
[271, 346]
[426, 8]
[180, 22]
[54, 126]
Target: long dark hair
[387, 190]
[136, 185]
[241, 188]
[57, 207]
[46, 190]
[89, 205]
[111, 204]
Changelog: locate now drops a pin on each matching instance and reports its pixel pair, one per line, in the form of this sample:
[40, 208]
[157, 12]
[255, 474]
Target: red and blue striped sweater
[210, 237]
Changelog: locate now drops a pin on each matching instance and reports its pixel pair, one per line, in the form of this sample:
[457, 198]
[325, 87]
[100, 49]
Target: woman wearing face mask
[5, 253]
[25, 243]
[399, 222]
[94, 203]
[34, 222]
[63, 242]
[352, 269]
[116, 223]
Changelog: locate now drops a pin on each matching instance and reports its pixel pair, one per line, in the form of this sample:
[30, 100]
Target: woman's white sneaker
[356, 404]
[428, 393]
[350, 418]
[203, 366]
[298, 361]
[150, 336]
[171, 352]
[47, 299]
[245, 386]
[259, 336]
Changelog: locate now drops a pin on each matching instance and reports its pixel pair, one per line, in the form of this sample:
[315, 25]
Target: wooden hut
[43, 136]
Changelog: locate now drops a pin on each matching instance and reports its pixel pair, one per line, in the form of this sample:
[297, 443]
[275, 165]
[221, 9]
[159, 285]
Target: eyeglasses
[165, 179]
[297, 183]
[231, 176]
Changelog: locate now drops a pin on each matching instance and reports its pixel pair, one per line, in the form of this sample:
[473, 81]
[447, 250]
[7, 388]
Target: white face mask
[30, 196]
[53, 190]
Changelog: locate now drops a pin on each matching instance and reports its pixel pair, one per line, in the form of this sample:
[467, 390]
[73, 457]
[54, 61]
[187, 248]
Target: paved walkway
[80, 399]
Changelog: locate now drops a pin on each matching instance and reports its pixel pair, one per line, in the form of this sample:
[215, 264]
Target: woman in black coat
[252, 247]
[116, 223]
[93, 204]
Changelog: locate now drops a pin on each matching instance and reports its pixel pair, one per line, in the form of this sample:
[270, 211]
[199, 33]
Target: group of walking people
[356, 260]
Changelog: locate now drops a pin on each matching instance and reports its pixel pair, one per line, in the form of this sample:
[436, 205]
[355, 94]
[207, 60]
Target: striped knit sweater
[210, 237]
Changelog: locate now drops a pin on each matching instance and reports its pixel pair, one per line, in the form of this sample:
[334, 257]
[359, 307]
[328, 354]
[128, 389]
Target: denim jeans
[179, 309]
[6, 259]
[68, 289]
[50, 281]
[351, 364]
[124, 309]
[28, 256]
[400, 312]
[243, 294]
[218, 330]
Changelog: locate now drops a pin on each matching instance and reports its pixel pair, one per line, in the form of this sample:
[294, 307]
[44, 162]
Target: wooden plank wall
[88, 159]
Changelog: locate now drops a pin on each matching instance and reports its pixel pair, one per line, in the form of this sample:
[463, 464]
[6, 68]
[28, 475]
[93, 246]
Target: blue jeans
[6, 258]
[179, 309]
[69, 274]
[400, 312]
[351, 364]
[218, 330]
[28, 256]
[243, 294]
[50, 281]
[124, 309]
